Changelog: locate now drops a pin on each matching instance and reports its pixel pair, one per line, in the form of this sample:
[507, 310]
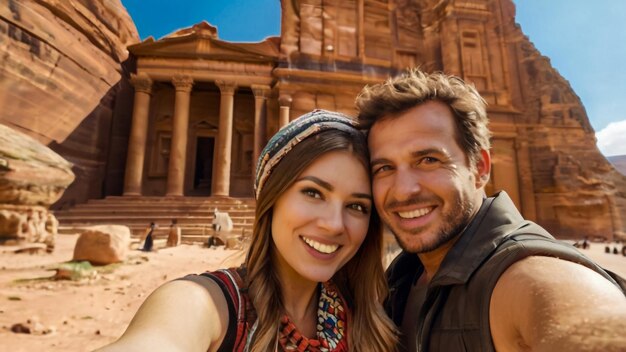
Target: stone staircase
[194, 215]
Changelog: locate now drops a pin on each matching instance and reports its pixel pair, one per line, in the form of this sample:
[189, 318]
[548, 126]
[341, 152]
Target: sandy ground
[89, 313]
[86, 314]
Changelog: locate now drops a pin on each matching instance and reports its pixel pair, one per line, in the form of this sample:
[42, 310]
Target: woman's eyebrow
[318, 181]
[362, 195]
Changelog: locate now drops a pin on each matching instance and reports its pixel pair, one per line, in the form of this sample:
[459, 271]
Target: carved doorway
[203, 172]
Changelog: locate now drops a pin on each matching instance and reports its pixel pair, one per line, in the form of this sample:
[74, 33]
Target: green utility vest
[455, 314]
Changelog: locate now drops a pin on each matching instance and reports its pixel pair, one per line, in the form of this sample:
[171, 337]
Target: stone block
[102, 245]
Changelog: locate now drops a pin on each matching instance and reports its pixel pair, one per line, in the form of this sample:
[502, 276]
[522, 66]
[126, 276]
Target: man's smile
[412, 214]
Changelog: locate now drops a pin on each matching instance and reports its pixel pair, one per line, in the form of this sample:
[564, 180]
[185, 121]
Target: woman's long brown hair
[361, 280]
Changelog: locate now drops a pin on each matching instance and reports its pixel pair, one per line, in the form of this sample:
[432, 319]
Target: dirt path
[84, 315]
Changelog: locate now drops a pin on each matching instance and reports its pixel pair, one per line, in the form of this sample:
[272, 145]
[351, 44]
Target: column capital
[260, 90]
[284, 99]
[226, 87]
[142, 82]
[182, 83]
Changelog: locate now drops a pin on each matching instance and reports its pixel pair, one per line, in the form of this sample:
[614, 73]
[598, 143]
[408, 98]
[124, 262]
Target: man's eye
[429, 160]
[313, 193]
[380, 169]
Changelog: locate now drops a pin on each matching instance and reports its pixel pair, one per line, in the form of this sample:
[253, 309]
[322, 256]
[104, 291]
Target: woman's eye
[313, 193]
[360, 208]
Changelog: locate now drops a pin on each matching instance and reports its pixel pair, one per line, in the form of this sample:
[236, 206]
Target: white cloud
[612, 139]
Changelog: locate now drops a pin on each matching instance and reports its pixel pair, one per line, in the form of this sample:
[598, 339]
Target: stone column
[138, 133]
[180, 126]
[221, 174]
[260, 121]
[284, 100]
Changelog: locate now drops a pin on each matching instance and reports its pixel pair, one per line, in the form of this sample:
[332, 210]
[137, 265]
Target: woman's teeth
[320, 247]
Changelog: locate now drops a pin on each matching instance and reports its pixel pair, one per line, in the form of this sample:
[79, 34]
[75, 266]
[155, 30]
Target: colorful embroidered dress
[331, 326]
[332, 315]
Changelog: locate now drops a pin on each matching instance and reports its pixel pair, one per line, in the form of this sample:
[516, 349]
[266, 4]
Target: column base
[131, 194]
[174, 195]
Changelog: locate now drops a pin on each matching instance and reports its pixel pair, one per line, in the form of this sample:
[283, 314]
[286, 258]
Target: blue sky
[586, 43]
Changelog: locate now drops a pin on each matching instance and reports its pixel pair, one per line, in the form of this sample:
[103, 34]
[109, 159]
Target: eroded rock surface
[30, 173]
[24, 224]
[32, 177]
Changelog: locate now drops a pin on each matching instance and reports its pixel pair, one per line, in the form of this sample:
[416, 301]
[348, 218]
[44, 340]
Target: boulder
[30, 173]
[102, 245]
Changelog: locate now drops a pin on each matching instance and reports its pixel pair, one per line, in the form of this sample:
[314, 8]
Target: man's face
[423, 185]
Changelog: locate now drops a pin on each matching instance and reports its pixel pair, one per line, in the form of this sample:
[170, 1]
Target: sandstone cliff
[60, 72]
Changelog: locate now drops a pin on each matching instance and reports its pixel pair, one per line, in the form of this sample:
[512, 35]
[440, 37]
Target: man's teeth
[320, 247]
[414, 213]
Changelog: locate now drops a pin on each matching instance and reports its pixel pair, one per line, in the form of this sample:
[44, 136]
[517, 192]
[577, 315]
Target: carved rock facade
[544, 152]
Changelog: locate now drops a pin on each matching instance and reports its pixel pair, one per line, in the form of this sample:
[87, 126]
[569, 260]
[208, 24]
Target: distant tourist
[584, 244]
[221, 221]
[173, 237]
[147, 237]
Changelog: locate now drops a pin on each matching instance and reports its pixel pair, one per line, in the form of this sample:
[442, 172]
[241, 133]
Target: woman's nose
[331, 219]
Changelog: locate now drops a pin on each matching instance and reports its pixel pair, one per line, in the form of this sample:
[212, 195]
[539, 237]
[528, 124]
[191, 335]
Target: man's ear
[483, 168]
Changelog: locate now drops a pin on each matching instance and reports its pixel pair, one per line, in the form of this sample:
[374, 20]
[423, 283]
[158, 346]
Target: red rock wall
[59, 78]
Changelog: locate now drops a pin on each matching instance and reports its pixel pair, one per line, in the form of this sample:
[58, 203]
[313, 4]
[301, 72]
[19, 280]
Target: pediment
[200, 41]
[204, 124]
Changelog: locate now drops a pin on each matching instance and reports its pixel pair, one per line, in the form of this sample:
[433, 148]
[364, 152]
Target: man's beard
[452, 224]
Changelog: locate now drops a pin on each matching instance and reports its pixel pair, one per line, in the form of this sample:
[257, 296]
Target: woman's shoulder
[179, 314]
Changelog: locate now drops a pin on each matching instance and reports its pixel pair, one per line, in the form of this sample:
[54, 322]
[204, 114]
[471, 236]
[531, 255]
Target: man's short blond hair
[415, 87]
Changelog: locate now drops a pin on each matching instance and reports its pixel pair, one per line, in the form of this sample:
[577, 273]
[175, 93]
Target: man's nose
[406, 184]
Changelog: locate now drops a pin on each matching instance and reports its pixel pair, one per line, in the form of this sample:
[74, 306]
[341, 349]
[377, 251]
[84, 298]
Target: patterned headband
[295, 132]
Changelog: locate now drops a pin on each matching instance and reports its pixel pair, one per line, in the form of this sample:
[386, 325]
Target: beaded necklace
[332, 326]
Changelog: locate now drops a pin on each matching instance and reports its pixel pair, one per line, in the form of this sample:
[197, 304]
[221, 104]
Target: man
[174, 235]
[473, 274]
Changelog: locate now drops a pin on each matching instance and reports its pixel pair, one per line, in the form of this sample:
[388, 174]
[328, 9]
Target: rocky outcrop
[619, 162]
[59, 59]
[32, 177]
[25, 224]
[102, 245]
[30, 173]
[60, 75]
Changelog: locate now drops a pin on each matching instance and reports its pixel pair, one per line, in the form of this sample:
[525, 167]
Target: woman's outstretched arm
[179, 316]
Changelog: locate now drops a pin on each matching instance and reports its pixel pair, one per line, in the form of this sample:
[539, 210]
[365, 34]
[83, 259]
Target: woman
[312, 279]
[148, 240]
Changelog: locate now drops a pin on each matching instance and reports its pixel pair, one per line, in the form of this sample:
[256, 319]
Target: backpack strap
[239, 305]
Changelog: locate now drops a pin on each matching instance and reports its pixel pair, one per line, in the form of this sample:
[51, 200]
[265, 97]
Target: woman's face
[320, 221]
